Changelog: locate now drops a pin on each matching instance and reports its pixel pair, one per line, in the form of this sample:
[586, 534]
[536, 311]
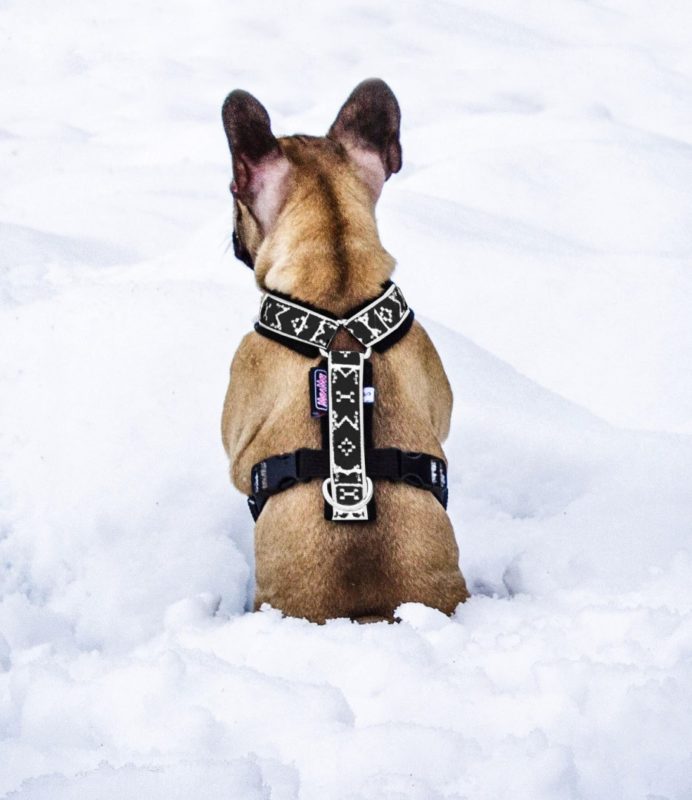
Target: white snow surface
[541, 227]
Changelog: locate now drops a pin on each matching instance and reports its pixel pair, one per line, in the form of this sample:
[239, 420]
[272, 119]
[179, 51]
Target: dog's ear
[368, 127]
[259, 166]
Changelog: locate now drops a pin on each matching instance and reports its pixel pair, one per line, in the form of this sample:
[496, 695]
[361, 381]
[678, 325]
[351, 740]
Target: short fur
[313, 236]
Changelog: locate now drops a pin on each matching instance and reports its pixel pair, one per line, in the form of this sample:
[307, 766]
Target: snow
[541, 229]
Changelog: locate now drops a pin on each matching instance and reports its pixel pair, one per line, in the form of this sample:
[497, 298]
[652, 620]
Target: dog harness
[342, 395]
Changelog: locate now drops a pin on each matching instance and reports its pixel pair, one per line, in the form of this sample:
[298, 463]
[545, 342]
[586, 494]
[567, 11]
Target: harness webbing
[348, 489]
[348, 463]
[278, 473]
[379, 324]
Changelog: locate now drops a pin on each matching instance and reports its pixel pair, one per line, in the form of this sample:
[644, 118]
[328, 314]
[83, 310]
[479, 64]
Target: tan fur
[324, 249]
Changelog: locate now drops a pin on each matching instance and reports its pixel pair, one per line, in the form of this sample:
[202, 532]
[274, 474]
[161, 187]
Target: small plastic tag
[319, 392]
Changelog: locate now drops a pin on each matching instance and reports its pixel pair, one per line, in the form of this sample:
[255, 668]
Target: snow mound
[241, 778]
[128, 560]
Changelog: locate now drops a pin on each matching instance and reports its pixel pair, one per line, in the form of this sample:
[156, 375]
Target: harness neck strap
[308, 330]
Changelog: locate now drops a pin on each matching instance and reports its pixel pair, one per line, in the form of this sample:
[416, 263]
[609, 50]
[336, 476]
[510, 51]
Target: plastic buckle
[438, 471]
[415, 469]
[281, 472]
[255, 507]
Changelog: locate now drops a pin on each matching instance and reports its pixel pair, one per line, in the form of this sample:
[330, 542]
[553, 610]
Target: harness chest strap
[278, 473]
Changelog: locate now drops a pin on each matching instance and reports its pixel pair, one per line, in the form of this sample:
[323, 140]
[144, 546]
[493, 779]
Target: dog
[304, 219]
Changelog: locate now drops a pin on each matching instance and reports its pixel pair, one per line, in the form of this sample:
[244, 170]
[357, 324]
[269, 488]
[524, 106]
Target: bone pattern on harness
[348, 489]
[296, 322]
[380, 318]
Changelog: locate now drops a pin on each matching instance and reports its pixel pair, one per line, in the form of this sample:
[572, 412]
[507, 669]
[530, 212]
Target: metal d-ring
[326, 492]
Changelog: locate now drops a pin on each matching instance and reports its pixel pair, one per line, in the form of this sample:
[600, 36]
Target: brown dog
[304, 215]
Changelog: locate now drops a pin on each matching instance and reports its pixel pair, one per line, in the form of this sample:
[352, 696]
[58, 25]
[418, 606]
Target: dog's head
[322, 185]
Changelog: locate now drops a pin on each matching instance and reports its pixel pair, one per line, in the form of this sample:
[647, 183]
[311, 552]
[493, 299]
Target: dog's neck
[324, 248]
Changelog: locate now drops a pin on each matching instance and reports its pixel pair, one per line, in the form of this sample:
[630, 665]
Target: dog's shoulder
[261, 357]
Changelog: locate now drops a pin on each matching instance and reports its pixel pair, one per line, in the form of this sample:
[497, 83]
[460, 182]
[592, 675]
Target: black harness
[342, 397]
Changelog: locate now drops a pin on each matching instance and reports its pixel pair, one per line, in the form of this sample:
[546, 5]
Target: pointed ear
[367, 126]
[258, 163]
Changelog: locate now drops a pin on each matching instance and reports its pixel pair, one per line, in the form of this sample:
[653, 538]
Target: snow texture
[541, 227]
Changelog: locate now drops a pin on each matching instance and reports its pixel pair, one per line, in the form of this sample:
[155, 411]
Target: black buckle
[425, 472]
[255, 504]
[271, 476]
[415, 469]
[275, 474]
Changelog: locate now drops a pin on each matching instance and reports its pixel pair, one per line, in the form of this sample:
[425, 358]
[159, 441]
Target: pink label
[320, 388]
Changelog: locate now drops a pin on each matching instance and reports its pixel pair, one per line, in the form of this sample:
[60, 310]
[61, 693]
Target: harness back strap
[348, 489]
